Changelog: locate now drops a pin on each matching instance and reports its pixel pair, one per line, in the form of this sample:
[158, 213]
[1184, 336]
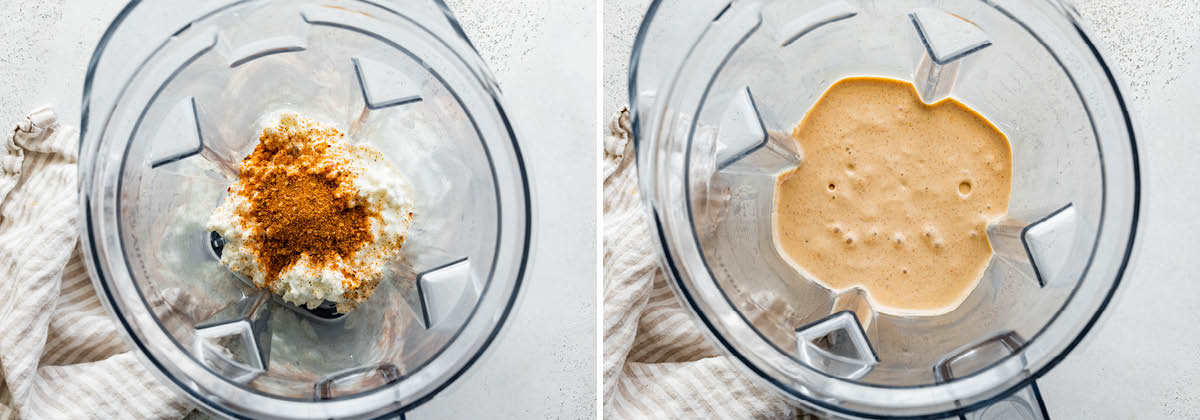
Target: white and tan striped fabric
[657, 362]
[61, 356]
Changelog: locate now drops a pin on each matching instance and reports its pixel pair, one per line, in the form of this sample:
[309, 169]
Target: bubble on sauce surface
[964, 188]
[933, 236]
[849, 238]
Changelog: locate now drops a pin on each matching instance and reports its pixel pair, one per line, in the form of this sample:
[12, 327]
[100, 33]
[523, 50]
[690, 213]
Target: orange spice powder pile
[302, 201]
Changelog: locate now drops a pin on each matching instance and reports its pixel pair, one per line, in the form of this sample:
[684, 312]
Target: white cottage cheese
[380, 188]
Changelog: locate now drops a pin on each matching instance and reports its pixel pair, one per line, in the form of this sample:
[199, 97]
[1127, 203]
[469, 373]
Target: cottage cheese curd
[288, 222]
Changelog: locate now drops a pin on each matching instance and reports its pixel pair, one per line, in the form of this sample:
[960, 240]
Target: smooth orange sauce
[893, 196]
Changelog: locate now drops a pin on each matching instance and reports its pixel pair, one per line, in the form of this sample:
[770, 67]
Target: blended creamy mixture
[312, 217]
[893, 196]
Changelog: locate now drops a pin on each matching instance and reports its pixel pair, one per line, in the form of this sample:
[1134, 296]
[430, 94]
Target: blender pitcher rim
[681, 289]
[477, 69]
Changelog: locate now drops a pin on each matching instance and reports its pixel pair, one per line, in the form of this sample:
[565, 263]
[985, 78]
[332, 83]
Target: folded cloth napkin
[61, 355]
[658, 364]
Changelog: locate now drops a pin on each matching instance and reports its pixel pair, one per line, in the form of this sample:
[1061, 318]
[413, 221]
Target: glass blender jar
[717, 86]
[171, 101]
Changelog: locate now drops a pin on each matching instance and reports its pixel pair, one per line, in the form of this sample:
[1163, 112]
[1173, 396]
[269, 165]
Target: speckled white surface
[1151, 41]
[1141, 361]
[544, 367]
[44, 51]
[543, 54]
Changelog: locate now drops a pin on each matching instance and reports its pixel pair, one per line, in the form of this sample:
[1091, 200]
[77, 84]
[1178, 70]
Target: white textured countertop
[543, 55]
[1141, 361]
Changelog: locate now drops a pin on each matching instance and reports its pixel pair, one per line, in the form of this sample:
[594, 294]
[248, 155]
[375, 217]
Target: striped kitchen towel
[658, 364]
[61, 356]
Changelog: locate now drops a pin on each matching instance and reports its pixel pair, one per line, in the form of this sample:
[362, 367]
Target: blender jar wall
[147, 194]
[1055, 164]
[726, 265]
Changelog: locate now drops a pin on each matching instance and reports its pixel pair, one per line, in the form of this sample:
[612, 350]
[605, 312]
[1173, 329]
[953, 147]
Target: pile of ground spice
[302, 201]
